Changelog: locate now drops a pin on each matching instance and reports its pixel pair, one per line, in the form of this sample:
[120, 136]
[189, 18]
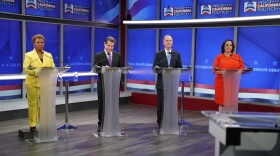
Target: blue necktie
[168, 58]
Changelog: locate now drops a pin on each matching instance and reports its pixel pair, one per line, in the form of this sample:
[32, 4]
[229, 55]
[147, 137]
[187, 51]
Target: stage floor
[138, 122]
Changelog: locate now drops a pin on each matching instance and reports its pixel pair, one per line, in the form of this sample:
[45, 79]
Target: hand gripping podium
[111, 88]
[231, 80]
[171, 77]
[47, 114]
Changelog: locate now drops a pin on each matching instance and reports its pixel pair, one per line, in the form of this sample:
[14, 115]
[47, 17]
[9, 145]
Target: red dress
[224, 62]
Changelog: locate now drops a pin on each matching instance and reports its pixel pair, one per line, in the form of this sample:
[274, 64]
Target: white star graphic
[256, 62]
[206, 61]
[68, 57]
[274, 63]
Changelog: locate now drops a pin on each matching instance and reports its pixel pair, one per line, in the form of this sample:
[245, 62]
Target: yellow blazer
[32, 59]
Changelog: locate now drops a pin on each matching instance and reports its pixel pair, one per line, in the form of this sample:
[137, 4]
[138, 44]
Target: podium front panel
[111, 87]
[231, 80]
[170, 108]
[47, 117]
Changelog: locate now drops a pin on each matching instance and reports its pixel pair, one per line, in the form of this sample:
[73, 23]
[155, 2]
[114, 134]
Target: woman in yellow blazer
[37, 58]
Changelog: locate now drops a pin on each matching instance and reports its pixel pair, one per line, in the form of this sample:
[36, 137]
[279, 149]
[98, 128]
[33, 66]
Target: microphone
[30, 67]
[247, 69]
[156, 66]
[216, 67]
[97, 66]
[187, 66]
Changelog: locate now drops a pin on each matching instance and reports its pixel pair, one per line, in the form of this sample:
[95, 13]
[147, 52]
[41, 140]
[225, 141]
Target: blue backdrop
[106, 11]
[10, 49]
[142, 9]
[47, 8]
[182, 9]
[12, 7]
[51, 34]
[215, 9]
[78, 10]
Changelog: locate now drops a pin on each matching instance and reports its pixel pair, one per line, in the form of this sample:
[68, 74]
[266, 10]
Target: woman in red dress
[226, 60]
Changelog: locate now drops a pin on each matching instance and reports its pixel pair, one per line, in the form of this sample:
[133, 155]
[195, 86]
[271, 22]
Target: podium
[171, 77]
[231, 80]
[111, 89]
[47, 114]
[245, 133]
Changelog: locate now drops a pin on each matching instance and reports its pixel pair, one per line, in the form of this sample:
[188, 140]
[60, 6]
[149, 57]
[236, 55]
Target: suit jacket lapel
[104, 55]
[36, 57]
[163, 56]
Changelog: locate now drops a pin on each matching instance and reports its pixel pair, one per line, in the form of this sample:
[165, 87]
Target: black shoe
[32, 129]
[98, 129]
[159, 127]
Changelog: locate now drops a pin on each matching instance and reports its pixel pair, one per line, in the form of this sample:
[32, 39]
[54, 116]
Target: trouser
[160, 97]
[100, 108]
[33, 94]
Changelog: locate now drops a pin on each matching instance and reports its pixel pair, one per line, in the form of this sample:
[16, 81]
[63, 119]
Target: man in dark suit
[108, 58]
[165, 58]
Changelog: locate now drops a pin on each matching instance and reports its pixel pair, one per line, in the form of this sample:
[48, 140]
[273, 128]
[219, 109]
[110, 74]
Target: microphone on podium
[96, 64]
[30, 67]
[246, 69]
[187, 66]
[156, 66]
[96, 68]
[217, 66]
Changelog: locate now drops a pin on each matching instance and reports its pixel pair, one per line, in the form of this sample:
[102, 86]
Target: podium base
[160, 132]
[185, 123]
[101, 134]
[25, 134]
[66, 126]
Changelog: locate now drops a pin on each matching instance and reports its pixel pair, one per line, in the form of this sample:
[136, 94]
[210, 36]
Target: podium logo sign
[31, 4]
[250, 6]
[68, 8]
[205, 9]
[262, 6]
[76, 9]
[168, 11]
[40, 5]
[177, 10]
[216, 9]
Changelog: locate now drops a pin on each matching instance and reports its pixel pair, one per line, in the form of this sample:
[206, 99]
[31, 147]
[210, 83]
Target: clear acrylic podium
[111, 88]
[47, 112]
[245, 133]
[171, 77]
[231, 80]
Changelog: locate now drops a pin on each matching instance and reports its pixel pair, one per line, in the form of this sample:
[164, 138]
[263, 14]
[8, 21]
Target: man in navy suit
[108, 58]
[165, 58]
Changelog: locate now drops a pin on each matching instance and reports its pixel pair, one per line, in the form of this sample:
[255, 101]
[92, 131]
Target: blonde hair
[37, 36]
